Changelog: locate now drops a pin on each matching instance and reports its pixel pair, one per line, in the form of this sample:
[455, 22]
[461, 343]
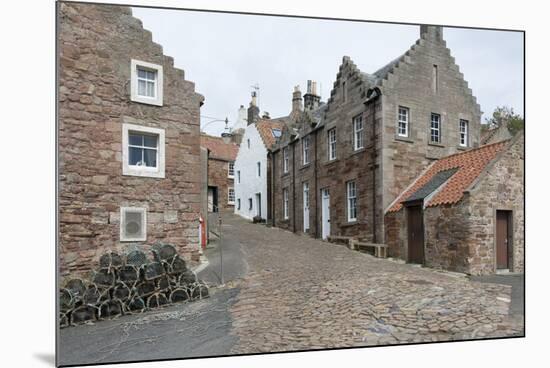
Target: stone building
[376, 133]
[129, 153]
[221, 173]
[252, 167]
[464, 212]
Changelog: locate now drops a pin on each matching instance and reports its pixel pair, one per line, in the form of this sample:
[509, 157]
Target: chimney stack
[311, 99]
[253, 110]
[433, 33]
[297, 99]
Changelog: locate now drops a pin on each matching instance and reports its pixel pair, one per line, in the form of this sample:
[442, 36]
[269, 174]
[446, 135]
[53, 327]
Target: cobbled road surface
[303, 293]
[287, 292]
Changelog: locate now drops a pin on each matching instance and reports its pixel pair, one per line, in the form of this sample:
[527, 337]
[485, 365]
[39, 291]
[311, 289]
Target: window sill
[357, 151]
[399, 138]
[462, 148]
[129, 171]
[350, 223]
[305, 166]
[436, 144]
[330, 162]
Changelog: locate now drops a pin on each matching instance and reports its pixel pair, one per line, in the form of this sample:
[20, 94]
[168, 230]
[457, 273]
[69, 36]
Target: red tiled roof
[219, 149]
[265, 127]
[469, 166]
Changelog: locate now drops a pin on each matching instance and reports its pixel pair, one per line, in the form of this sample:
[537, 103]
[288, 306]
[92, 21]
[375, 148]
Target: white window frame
[238, 176]
[231, 170]
[285, 160]
[143, 212]
[250, 204]
[358, 136]
[248, 143]
[238, 203]
[332, 144]
[403, 121]
[143, 171]
[435, 130]
[230, 198]
[351, 195]
[259, 169]
[285, 203]
[463, 131]
[159, 83]
[305, 150]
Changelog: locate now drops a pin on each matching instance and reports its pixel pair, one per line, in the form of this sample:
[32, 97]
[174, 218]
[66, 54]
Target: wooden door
[503, 221]
[415, 230]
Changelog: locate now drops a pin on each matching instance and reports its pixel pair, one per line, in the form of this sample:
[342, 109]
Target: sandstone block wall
[96, 45]
[218, 176]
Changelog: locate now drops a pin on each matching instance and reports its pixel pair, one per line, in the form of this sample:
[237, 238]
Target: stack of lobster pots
[129, 284]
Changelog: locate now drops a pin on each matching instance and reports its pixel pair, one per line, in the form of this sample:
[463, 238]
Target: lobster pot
[188, 277]
[157, 300]
[163, 252]
[162, 283]
[136, 258]
[104, 278]
[66, 300]
[83, 314]
[76, 288]
[145, 288]
[152, 271]
[121, 292]
[179, 295]
[64, 319]
[134, 305]
[110, 309]
[129, 275]
[176, 266]
[200, 291]
[92, 295]
[110, 260]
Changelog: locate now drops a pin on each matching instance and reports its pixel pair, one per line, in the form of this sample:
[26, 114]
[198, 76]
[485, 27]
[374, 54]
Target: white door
[306, 207]
[325, 212]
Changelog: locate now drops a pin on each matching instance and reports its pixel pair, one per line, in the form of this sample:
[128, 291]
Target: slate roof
[218, 148]
[468, 166]
[265, 127]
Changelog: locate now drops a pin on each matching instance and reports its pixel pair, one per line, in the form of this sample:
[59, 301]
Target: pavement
[285, 292]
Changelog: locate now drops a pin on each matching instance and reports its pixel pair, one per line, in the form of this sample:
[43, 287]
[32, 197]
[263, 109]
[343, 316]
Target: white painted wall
[250, 184]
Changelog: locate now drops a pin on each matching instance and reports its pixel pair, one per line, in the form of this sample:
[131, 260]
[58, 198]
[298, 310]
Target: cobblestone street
[303, 293]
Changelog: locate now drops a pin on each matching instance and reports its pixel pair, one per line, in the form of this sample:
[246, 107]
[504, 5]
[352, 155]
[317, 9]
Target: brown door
[503, 220]
[415, 229]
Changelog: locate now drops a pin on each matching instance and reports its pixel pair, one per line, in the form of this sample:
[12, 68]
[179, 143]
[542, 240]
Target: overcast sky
[225, 54]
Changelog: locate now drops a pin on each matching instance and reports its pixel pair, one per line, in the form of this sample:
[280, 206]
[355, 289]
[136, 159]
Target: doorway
[504, 221]
[213, 199]
[259, 204]
[415, 234]
[325, 213]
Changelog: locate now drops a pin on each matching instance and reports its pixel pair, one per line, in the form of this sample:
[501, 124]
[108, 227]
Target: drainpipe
[371, 101]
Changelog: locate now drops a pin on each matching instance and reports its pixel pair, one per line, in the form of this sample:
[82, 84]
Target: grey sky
[225, 54]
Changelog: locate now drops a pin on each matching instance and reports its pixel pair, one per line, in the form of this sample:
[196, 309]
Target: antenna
[256, 92]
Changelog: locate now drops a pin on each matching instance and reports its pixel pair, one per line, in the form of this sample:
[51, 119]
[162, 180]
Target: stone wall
[410, 85]
[96, 45]
[501, 188]
[218, 176]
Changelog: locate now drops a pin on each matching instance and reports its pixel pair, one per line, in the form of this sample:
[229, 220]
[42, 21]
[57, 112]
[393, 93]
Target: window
[305, 150]
[250, 204]
[435, 129]
[352, 201]
[248, 143]
[332, 144]
[238, 203]
[239, 176]
[146, 82]
[285, 160]
[231, 170]
[276, 133]
[231, 196]
[403, 122]
[435, 77]
[463, 127]
[259, 165]
[285, 203]
[358, 139]
[133, 224]
[142, 151]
